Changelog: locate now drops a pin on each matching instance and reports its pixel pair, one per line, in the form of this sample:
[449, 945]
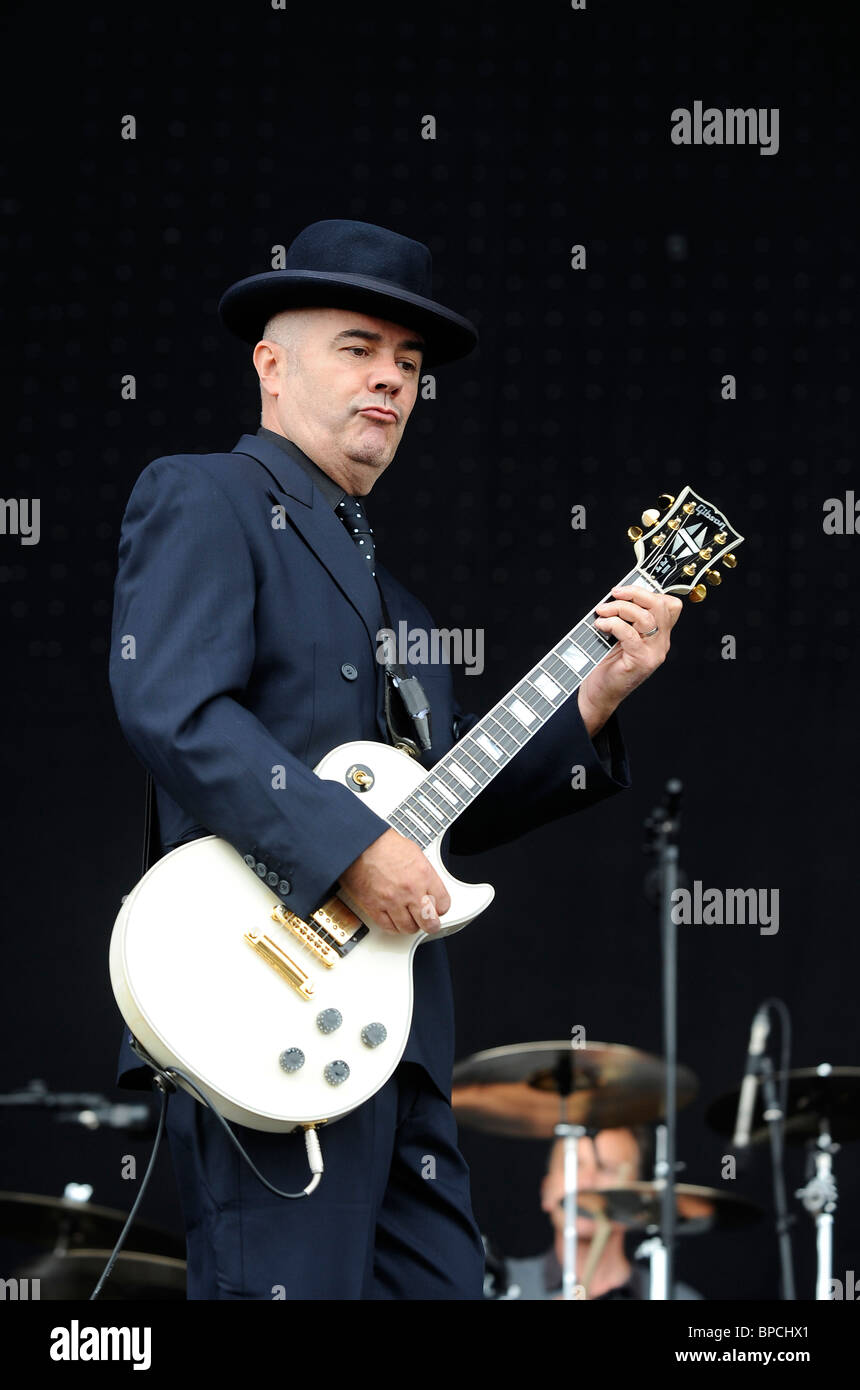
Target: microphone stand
[663, 827]
[775, 1117]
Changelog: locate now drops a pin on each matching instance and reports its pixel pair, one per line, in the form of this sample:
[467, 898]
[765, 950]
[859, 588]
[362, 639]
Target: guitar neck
[458, 778]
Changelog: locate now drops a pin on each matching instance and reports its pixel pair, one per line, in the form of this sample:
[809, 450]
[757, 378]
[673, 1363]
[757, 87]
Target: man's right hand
[397, 886]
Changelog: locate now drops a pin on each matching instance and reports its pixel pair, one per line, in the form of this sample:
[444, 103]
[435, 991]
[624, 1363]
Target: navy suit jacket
[239, 647]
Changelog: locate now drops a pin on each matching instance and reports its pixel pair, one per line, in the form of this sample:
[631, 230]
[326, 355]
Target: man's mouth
[377, 412]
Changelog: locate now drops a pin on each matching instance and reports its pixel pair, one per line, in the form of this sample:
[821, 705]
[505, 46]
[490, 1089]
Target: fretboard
[452, 785]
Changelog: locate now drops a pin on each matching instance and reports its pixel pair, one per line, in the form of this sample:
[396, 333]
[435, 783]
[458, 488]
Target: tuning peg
[634, 533]
[730, 561]
[720, 538]
[690, 570]
[659, 539]
[651, 517]
[697, 594]
[666, 499]
[706, 553]
[713, 577]
[688, 508]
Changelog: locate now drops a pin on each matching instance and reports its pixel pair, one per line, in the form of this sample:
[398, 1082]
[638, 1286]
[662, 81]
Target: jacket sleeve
[182, 654]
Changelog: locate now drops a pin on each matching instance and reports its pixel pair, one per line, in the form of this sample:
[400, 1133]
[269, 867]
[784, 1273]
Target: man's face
[342, 389]
[616, 1161]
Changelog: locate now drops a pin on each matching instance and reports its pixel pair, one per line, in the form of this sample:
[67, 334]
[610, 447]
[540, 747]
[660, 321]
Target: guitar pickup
[338, 924]
[305, 934]
[339, 921]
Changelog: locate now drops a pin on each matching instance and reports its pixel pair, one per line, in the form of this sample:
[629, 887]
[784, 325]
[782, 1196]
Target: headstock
[682, 541]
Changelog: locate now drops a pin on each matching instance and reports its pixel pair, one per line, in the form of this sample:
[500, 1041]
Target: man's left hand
[632, 617]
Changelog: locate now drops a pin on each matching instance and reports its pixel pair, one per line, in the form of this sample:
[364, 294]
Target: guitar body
[198, 995]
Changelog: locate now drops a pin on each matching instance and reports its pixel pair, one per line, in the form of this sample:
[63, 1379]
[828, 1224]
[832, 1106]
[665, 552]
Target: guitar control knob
[292, 1059]
[329, 1020]
[372, 1034]
[336, 1073]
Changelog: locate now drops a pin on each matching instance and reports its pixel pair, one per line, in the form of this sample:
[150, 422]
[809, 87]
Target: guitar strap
[151, 850]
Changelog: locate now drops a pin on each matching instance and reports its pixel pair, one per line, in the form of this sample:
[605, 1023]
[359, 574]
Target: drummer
[613, 1157]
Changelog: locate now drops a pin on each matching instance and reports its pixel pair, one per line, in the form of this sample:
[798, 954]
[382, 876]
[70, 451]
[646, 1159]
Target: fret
[466, 750]
[452, 785]
[462, 776]
[501, 732]
[440, 789]
[521, 711]
[538, 701]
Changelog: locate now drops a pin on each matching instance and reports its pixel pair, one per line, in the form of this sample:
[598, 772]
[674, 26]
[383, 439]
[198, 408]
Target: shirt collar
[330, 490]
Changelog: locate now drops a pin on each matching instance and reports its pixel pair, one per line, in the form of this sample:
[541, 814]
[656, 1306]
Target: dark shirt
[540, 1278]
[331, 491]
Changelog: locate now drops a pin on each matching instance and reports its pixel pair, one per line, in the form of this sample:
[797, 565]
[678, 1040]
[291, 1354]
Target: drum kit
[77, 1234]
[541, 1090]
[559, 1091]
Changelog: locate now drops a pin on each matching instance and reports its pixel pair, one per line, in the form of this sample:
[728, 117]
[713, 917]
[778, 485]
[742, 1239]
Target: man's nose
[388, 377]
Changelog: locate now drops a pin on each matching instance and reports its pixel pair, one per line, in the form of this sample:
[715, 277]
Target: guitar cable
[163, 1079]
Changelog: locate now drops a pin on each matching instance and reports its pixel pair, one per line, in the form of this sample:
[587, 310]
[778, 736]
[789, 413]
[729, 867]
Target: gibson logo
[704, 510]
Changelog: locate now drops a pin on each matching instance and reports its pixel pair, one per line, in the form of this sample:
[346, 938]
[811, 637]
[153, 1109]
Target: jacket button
[272, 879]
[250, 861]
[348, 671]
[285, 887]
[261, 871]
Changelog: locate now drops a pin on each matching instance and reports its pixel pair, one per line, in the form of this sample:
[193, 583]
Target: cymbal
[814, 1094]
[517, 1090]
[60, 1223]
[134, 1276]
[698, 1209]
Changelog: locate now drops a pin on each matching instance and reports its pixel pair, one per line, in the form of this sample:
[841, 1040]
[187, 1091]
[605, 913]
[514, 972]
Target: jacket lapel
[317, 524]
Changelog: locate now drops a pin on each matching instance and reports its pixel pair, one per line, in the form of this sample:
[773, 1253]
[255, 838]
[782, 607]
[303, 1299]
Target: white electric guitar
[283, 1022]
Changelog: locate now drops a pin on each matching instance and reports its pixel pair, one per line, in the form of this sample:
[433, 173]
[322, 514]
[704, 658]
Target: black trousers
[391, 1218]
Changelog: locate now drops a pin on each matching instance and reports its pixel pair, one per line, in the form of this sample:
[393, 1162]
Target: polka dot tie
[352, 514]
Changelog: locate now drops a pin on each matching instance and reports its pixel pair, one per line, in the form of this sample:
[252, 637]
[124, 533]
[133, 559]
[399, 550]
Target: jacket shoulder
[231, 471]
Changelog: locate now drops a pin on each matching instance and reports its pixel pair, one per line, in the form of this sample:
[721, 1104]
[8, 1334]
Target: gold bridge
[274, 955]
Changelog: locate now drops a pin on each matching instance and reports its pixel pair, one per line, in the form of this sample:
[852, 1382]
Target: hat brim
[246, 307]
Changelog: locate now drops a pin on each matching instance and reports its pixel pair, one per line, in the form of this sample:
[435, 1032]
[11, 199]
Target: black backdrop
[599, 387]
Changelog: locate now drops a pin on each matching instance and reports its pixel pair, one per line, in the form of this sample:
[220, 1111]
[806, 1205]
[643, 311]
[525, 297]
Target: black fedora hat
[343, 264]
[352, 265]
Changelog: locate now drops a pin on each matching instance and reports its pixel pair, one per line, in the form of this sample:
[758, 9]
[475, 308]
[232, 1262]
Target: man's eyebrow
[370, 336]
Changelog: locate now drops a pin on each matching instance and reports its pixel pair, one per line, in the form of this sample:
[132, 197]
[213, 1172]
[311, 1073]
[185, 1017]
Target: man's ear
[265, 359]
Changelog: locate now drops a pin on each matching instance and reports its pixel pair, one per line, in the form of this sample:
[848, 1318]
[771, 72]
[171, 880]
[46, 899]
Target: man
[612, 1158]
[255, 616]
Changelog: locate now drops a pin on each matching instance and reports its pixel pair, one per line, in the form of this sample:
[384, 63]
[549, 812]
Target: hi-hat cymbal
[699, 1209]
[527, 1089]
[134, 1276]
[815, 1094]
[63, 1224]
